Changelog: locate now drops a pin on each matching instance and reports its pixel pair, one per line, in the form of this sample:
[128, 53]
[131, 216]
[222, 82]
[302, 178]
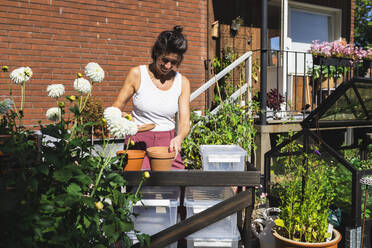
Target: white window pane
[306, 27]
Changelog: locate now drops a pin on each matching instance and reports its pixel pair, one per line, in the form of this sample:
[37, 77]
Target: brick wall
[58, 38]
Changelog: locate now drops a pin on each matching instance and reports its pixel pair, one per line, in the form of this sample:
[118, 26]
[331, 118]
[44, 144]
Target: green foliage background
[231, 125]
[363, 23]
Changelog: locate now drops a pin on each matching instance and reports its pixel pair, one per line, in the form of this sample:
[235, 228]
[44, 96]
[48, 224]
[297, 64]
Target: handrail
[243, 89]
[233, 96]
[220, 75]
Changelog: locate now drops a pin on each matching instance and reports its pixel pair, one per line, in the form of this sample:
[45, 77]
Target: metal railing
[303, 84]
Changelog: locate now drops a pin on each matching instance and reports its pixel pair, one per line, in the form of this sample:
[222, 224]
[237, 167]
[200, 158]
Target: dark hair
[170, 41]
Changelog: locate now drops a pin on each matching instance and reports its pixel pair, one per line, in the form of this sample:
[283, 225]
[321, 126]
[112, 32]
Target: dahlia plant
[9, 112]
[68, 194]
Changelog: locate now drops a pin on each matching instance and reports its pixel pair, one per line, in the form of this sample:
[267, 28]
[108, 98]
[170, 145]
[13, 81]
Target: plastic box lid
[223, 157]
[225, 152]
[206, 196]
[159, 196]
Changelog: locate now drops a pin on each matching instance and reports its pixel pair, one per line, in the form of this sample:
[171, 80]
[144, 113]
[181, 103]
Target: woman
[159, 92]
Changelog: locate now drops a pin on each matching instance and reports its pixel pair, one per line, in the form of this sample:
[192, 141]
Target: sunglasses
[172, 61]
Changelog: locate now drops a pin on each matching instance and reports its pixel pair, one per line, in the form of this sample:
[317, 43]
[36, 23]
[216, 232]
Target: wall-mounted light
[235, 25]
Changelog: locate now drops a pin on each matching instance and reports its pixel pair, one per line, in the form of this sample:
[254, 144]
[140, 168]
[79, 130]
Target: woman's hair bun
[177, 29]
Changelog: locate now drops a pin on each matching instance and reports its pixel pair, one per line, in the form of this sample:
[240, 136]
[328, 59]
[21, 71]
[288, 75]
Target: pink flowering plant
[339, 49]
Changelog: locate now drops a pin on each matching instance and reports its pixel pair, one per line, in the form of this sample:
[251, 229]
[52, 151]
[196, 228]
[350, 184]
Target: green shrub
[231, 125]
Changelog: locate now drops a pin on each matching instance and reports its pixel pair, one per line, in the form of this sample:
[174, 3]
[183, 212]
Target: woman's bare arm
[130, 86]
[184, 116]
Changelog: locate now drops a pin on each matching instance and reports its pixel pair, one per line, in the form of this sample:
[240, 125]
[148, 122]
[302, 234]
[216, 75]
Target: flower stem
[23, 95]
[105, 163]
[139, 187]
[85, 102]
[23, 87]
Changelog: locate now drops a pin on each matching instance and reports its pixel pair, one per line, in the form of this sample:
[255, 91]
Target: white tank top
[152, 105]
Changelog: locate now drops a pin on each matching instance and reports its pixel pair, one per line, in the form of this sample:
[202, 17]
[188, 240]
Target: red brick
[57, 40]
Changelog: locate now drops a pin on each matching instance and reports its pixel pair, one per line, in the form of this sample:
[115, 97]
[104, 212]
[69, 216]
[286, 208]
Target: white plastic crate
[222, 157]
[158, 211]
[197, 199]
[222, 242]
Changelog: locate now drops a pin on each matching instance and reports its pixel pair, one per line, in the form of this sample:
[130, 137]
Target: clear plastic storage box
[220, 242]
[197, 199]
[222, 157]
[158, 211]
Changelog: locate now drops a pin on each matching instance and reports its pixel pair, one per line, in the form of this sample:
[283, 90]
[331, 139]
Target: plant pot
[281, 242]
[134, 159]
[160, 158]
[320, 60]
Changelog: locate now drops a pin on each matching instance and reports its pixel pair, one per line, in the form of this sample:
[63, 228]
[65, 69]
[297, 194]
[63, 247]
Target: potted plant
[305, 199]
[131, 160]
[337, 53]
[274, 101]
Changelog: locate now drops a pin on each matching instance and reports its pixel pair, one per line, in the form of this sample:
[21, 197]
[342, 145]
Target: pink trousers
[144, 140]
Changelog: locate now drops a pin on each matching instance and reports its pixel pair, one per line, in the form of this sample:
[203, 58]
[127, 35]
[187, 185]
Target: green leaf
[86, 221]
[62, 175]
[116, 178]
[75, 110]
[279, 222]
[74, 189]
[44, 169]
[108, 229]
[126, 226]
[84, 179]
[99, 246]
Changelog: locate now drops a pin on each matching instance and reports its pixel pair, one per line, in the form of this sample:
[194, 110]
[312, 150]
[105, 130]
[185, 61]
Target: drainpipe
[263, 74]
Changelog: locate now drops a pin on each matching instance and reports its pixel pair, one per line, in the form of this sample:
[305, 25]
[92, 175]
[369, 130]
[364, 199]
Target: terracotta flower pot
[160, 158]
[135, 158]
[281, 242]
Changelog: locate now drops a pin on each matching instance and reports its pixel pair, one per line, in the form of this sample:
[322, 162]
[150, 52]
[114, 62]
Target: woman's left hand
[175, 144]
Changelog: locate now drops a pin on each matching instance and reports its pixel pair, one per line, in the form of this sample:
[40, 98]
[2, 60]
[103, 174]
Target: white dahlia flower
[82, 85]
[132, 128]
[94, 72]
[56, 90]
[21, 75]
[122, 127]
[118, 126]
[112, 113]
[53, 114]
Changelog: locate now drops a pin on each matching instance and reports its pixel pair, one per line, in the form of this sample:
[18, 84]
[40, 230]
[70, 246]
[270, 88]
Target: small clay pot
[282, 242]
[160, 158]
[135, 159]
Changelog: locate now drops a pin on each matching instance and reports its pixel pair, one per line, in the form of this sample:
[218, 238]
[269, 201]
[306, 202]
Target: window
[306, 26]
